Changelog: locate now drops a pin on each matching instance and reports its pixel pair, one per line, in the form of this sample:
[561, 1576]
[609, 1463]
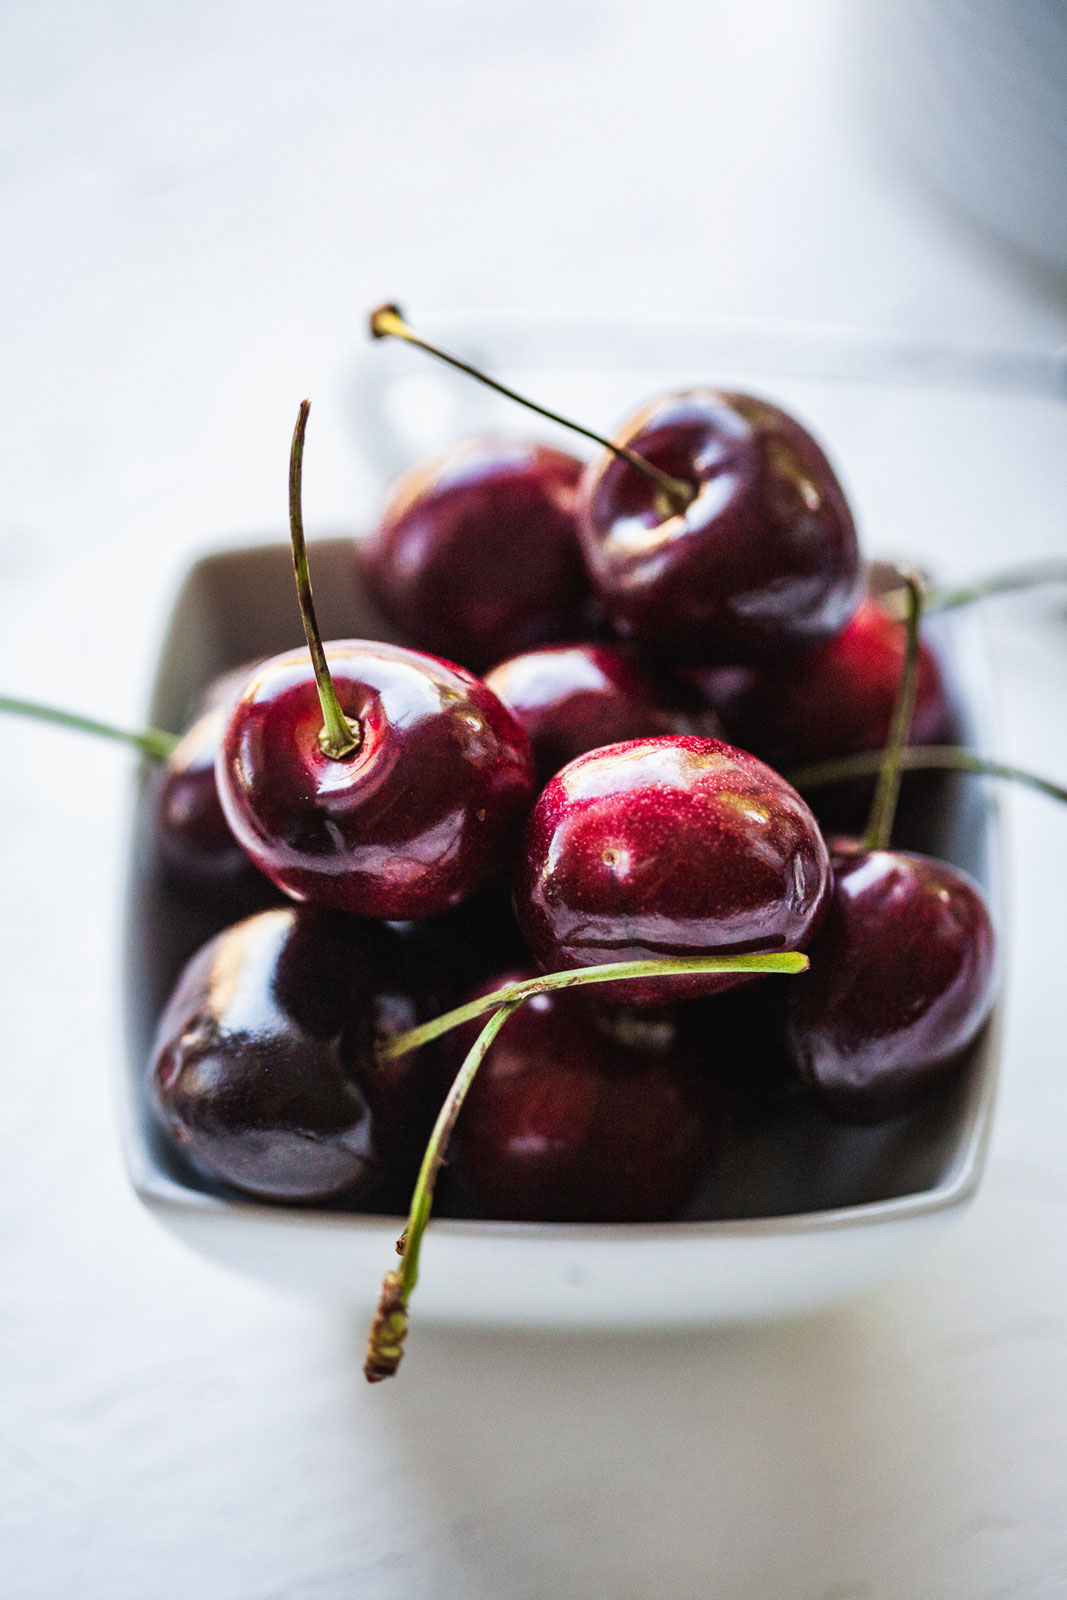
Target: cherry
[264, 1070]
[476, 556]
[903, 971]
[712, 523]
[425, 812]
[837, 700]
[902, 977]
[386, 783]
[574, 698]
[761, 561]
[388, 1332]
[583, 1112]
[663, 848]
[195, 842]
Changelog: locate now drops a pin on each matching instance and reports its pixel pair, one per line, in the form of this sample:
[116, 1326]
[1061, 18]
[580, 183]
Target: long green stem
[789, 961]
[339, 737]
[150, 741]
[884, 804]
[385, 1344]
[388, 322]
[945, 597]
[921, 758]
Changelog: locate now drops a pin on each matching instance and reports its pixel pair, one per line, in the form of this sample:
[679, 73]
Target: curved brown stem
[389, 322]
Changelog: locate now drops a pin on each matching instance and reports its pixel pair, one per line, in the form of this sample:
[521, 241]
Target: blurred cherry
[583, 1112]
[574, 698]
[838, 700]
[476, 556]
[195, 842]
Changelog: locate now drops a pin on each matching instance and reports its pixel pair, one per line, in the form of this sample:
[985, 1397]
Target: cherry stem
[884, 805]
[922, 758]
[339, 737]
[385, 1345]
[151, 742]
[788, 962]
[388, 322]
[1031, 575]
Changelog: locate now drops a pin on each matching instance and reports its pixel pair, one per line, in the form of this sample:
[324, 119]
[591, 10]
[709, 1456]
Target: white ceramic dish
[799, 1217]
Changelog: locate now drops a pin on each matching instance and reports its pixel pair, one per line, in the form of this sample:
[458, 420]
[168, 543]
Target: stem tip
[385, 1343]
[383, 319]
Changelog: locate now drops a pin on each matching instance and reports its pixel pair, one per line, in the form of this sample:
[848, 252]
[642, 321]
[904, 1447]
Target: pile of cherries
[444, 835]
[574, 763]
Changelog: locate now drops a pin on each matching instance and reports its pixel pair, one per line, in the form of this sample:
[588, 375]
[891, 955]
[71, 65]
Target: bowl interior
[240, 604]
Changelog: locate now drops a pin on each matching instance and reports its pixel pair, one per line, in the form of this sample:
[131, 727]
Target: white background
[199, 202]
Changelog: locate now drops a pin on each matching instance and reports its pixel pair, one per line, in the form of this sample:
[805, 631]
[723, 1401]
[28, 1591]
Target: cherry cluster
[530, 889]
[568, 775]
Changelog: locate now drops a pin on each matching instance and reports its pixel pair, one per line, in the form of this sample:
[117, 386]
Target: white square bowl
[800, 1215]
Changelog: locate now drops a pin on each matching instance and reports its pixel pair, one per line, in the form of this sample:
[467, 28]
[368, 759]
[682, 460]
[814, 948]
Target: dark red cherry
[902, 977]
[422, 814]
[668, 847]
[839, 699]
[582, 1112]
[476, 556]
[264, 1072]
[762, 561]
[574, 698]
[195, 842]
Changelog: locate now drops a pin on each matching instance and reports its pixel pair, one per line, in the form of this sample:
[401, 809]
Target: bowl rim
[956, 1189]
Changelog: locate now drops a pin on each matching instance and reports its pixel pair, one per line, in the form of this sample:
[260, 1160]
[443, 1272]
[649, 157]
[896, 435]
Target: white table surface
[200, 201]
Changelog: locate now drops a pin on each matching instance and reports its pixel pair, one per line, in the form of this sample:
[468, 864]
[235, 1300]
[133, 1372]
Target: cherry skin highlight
[263, 1071]
[763, 561]
[668, 847]
[477, 556]
[574, 698]
[424, 813]
[583, 1113]
[902, 978]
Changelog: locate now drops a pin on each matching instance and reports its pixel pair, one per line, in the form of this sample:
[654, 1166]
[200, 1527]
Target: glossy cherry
[379, 781]
[760, 560]
[902, 978]
[838, 700]
[574, 698]
[476, 556]
[424, 812]
[264, 1071]
[668, 847]
[902, 975]
[583, 1112]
